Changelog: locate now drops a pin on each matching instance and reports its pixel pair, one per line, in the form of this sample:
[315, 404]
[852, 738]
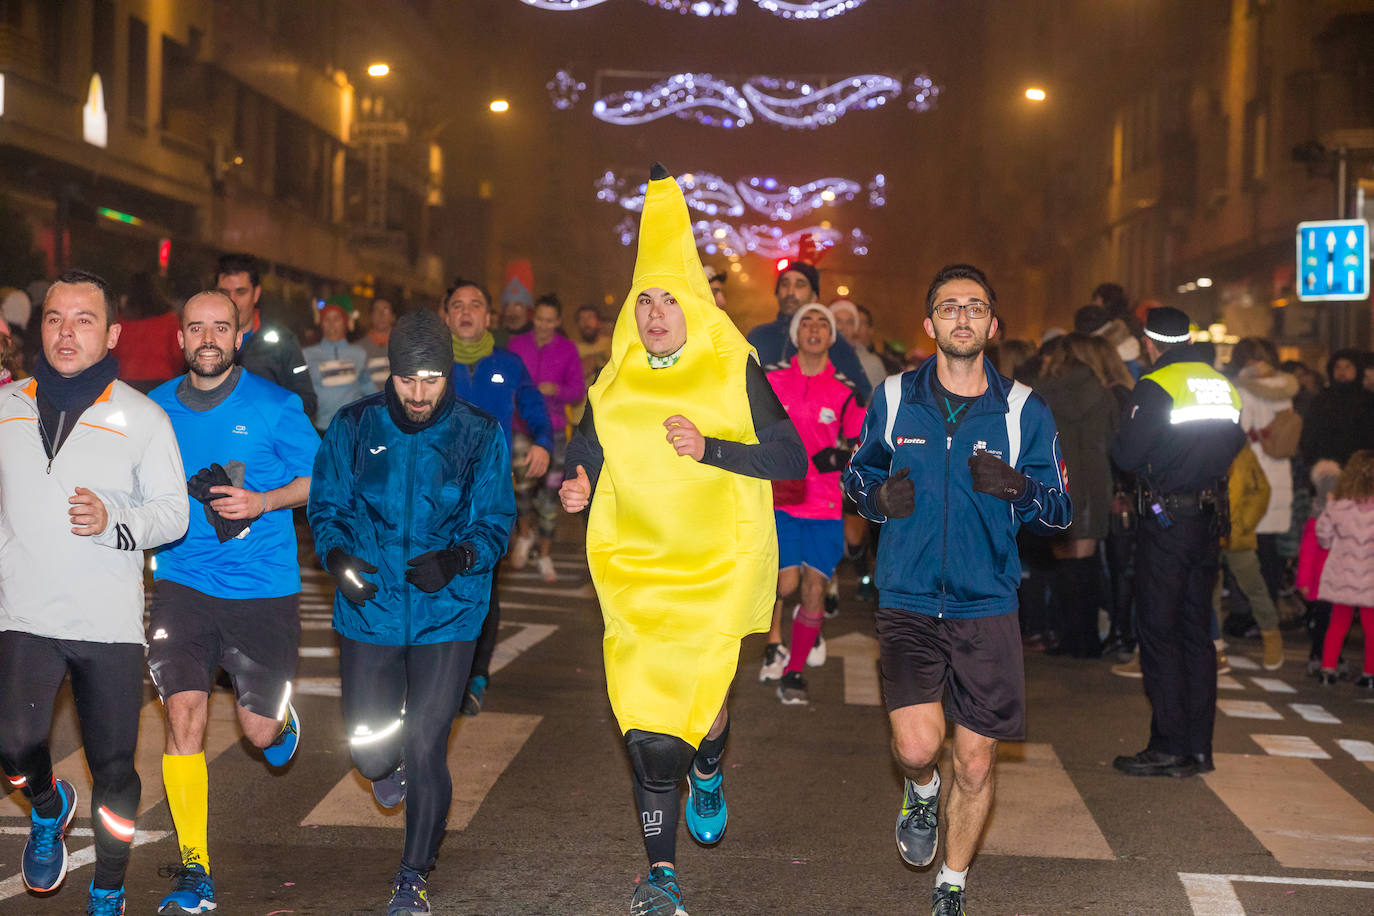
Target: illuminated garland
[816, 9]
[714, 196]
[717, 103]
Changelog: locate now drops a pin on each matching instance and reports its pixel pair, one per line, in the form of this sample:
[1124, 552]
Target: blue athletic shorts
[814, 542]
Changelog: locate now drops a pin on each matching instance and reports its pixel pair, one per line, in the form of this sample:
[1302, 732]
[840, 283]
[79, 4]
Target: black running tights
[398, 704]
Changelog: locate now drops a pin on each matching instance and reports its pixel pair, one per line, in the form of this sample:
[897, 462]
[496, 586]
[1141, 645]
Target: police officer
[1179, 434]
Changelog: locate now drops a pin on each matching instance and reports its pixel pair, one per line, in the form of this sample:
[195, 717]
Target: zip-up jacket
[272, 352]
[823, 409]
[385, 495]
[773, 342]
[955, 555]
[500, 384]
[61, 585]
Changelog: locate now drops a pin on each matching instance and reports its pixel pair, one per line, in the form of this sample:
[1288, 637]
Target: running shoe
[774, 663]
[280, 752]
[947, 900]
[193, 892]
[409, 896]
[792, 689]
[45, 854]
[832, 600]
[817, 656]
[105, 903]
[1327, 677]
[867, 591]
[390, 790]
[546, 570]
[474, 695]
[1129, 668]
[658, 894]
[520, 552]
[918, 826]
[1365, 682]
[706, 813]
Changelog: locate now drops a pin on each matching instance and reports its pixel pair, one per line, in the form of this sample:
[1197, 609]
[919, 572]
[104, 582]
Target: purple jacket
[557, 362]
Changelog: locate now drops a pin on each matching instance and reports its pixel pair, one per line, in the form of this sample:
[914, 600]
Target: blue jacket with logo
[385, 495]
[501, 385]
[955, 555]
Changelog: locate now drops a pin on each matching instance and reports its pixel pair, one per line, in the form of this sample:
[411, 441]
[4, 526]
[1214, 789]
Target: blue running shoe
[476, 693]
[409, 896]
[105, 903]
[280, 752]
[45, 854]
[194, 891]
[390, 790]
[706, 812]
[658, 894]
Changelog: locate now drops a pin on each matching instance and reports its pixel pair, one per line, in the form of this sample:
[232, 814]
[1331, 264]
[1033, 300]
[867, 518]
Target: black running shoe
[918, 826]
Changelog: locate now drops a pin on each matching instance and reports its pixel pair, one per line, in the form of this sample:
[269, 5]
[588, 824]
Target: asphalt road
[542, 821]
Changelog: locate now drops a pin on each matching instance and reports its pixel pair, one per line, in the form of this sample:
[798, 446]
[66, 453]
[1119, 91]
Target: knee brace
[660, 761]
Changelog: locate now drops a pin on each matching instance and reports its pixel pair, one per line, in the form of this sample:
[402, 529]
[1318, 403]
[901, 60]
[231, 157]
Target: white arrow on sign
[860, 654]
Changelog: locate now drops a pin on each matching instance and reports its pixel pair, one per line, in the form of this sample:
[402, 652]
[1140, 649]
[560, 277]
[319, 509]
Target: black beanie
[420, 345]
[812, 275]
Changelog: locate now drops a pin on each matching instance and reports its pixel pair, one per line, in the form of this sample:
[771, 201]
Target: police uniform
[1179, 434]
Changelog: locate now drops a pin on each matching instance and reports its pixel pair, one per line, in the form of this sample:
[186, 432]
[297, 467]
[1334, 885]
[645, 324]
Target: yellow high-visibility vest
[1199, 393]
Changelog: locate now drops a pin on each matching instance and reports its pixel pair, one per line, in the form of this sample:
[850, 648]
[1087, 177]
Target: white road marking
[319, 651]
[1291, 746]
[1042, 813]
[1360, 750]
[1248, 709]
[1226, 682]
[860, 654]
[318, 687]
[1214, 895]
[508, 649]
[1273, 685]
[582, 591]
[1314, 713]
[1241, 663]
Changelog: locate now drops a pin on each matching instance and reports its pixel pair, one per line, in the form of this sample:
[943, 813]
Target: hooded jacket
[1264, 392]
[386, 495]
[1086, 415]
[955, 556]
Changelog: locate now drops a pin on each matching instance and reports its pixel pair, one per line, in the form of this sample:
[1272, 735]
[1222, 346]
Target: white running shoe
[774, 663]
[520, 552]
[546, 570]
[817, 656]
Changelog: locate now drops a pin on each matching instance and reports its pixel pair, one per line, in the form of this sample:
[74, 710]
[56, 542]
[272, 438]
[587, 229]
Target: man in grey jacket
[90, 477]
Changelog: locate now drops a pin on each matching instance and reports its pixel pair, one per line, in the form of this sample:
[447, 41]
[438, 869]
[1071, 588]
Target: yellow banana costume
[684, 556]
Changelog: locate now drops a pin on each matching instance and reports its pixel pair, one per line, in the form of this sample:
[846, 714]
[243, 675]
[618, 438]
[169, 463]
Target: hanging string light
[686, 95]
[790, 203]
[793, 103]
[816, 9]
[923, 92]
[715, 196]
[565, 90]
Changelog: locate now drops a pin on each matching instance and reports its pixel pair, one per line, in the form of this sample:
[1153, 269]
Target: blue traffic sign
[1333, 260]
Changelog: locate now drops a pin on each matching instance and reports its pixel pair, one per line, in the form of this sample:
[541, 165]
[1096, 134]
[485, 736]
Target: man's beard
[418, 414]
[966, 351]
[789, 304]
[591, 336]
[219, 367]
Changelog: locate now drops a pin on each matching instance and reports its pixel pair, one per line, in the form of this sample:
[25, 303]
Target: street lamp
[378, 70]
[499, 106]
[1035, 94]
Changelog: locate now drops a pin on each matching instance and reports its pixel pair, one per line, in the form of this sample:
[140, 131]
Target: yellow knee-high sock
[188, 796]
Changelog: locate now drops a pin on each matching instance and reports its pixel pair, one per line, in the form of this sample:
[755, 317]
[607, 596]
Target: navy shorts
[973, 663]
[814, 542]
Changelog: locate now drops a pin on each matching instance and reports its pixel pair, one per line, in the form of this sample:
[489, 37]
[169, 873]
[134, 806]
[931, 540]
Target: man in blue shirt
[338, 369]
[228, 592]
[496, 380]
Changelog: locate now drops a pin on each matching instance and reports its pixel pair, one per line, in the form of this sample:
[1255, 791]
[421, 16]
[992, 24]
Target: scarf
[663, 362]
[470, 353]
[78, 392]
[398, 412]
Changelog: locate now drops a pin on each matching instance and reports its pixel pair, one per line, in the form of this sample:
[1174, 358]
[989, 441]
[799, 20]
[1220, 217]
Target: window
[1256, 141]
[103, 40]
[138, 70]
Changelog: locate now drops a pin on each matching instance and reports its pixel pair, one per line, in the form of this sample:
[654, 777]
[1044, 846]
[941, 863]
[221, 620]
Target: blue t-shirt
[263, 426]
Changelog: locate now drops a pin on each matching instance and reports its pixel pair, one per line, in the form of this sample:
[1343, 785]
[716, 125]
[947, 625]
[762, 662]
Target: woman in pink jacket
[1346, 527]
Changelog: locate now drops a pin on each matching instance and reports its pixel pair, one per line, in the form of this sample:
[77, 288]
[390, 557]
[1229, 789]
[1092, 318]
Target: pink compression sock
[805, 630]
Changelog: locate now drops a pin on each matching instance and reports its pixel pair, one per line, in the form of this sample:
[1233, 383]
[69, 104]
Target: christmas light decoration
[877, 191]
[816, 9]
[686, 95]
[794, 202]
[565, 90]
[701, 8]
[826, 9]
[923, 92]
[793, 103]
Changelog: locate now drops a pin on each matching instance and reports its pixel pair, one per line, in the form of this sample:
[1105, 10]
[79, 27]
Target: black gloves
[829, 460]
[896, 496]
[348, 571]
[199, 487]
[431, 571]
[993, 476]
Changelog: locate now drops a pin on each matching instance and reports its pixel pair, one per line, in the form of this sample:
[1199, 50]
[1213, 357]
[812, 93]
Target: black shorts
[974, 663]
[255, 640]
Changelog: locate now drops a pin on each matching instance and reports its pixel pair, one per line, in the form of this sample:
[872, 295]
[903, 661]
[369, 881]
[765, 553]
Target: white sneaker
[545, 566]
[520, 553]
[774, 663]
[816, 657]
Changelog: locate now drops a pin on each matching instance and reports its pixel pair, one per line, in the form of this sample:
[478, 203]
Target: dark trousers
[1120, 547]
[1174, 573]
[107, 685]
[486, 642]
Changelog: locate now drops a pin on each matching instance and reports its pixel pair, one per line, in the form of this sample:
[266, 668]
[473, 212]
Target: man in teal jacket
[411, 507]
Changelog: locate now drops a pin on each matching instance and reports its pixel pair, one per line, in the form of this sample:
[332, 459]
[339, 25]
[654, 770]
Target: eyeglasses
[974, 310]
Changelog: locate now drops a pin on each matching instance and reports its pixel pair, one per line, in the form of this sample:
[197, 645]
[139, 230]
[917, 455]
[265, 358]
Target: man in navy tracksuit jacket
[953, 460]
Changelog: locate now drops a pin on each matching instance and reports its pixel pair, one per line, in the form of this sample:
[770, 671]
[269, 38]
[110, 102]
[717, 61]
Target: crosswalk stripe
[524, 606]
[1314, 713]
[1360, 750]
[14, 885]
[479, 751]
[221, 732]
[319, 651]
[1241, 663]
[1273, 685]
[1248, 709]
[1214, 895]
[1226, 682]
[582, 591]
[1319, 826]
[1035, 790]
[508, 649]
[317, 687]
[1291, 746]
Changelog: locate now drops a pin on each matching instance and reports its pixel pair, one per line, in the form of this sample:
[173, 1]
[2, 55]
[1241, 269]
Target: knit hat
[420, 345]
[811, 307]
[812, 275]
[844, 305]
[1167, 325]
[519, 282]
